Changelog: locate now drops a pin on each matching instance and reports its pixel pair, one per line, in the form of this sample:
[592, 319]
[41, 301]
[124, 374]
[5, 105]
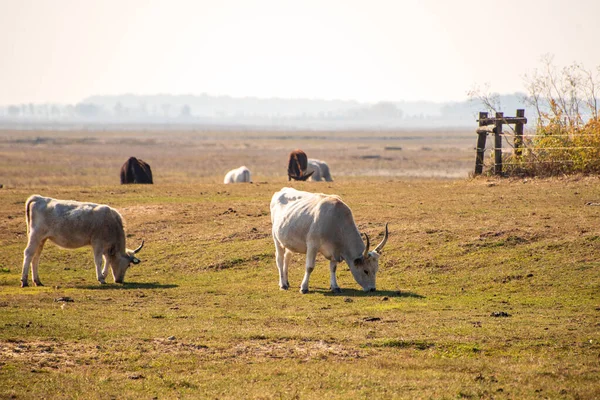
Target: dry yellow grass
[203, 317]
[95, 158]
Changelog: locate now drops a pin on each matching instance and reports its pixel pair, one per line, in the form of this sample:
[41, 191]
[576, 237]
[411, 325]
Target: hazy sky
[368, 50]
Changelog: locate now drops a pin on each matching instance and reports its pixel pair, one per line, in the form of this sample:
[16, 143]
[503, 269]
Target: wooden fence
[483, 131]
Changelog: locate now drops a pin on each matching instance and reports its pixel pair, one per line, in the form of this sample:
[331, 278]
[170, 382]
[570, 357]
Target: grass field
[487, 288]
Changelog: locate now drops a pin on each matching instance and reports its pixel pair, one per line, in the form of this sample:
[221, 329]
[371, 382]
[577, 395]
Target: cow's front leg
[332, 279]
[105, 267]
[98, 258]
[311, 256]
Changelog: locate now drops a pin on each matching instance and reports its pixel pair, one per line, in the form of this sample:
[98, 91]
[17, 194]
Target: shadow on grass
[130, 285]
[378, 293]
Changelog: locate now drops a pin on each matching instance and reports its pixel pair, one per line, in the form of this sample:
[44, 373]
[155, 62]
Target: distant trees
[14, 111]
[381, 110]
[87, 110]
[186, 111]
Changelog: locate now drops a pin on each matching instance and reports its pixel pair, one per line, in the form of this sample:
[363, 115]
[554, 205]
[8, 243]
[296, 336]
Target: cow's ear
[135, 260]
[112, 251]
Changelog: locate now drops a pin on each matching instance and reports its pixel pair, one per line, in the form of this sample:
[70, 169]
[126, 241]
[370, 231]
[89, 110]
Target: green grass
[202, 316]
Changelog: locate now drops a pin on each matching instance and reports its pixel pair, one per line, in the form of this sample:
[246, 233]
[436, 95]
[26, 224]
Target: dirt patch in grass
[509, 238]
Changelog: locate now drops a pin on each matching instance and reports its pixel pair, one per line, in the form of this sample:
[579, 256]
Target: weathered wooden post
[498, 143]
[482, 136]
[519, 134]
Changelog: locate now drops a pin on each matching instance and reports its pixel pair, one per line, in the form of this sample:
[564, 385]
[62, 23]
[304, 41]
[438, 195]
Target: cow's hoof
[102, 282]
[285, 287]
[303, 291]
[38, 283]
[336, 290]
[24, 284]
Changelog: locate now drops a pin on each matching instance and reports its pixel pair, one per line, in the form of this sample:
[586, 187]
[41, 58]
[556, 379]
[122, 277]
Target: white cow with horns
[71, 224]
[311, 223]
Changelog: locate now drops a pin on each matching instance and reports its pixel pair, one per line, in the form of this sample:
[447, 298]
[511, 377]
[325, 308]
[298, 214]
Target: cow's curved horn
[139, 248]
[366, 255]
[385, 238]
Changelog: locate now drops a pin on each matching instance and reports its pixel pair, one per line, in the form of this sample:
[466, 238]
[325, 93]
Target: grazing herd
[300, 168]
[302, 222]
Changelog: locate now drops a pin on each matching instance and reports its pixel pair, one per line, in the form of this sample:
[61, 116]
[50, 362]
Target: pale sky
[366, 50]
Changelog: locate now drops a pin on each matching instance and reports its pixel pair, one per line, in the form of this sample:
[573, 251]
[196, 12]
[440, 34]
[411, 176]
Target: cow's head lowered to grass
[119, 263]
[364, 269]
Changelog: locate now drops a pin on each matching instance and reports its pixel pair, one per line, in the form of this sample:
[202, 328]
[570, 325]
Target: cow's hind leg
[287, 257]
[279, 259]
[28, 257]
[332, 279]
[36, 262]
[311, 256]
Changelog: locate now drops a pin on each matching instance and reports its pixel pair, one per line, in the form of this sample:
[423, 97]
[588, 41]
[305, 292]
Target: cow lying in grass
[71, 224]
[311, 223]
[238, 175]
[136, 170]
[319, 170]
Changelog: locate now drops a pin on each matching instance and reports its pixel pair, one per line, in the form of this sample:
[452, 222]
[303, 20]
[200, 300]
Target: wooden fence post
[481, 139]
[498, 144]
[519, 134]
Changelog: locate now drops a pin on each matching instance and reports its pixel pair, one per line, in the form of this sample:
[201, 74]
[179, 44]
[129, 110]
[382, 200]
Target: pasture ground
[487, 288]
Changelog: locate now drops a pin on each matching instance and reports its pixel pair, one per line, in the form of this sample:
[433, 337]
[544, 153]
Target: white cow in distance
[71, 224]
[238, 175]
[311, 223]
[320, 170]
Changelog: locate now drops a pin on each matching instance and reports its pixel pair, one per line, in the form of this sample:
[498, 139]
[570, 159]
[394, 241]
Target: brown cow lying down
[135, 170]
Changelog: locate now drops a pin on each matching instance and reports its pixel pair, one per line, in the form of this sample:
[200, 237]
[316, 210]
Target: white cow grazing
[311, 223]
[238, 175]
[321, 170]
[71, 224]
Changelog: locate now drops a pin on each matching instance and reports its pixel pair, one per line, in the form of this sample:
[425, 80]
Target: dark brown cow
[297, 165]
[135, 171]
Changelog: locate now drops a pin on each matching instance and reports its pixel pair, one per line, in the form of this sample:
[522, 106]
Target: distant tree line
[205, 109]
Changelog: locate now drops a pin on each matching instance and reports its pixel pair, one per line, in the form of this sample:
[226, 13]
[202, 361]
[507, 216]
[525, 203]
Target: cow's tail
[28, 212]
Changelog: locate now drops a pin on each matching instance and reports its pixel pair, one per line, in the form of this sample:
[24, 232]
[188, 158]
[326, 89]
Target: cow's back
[299, 217]
[143, 173]
[73, 224]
